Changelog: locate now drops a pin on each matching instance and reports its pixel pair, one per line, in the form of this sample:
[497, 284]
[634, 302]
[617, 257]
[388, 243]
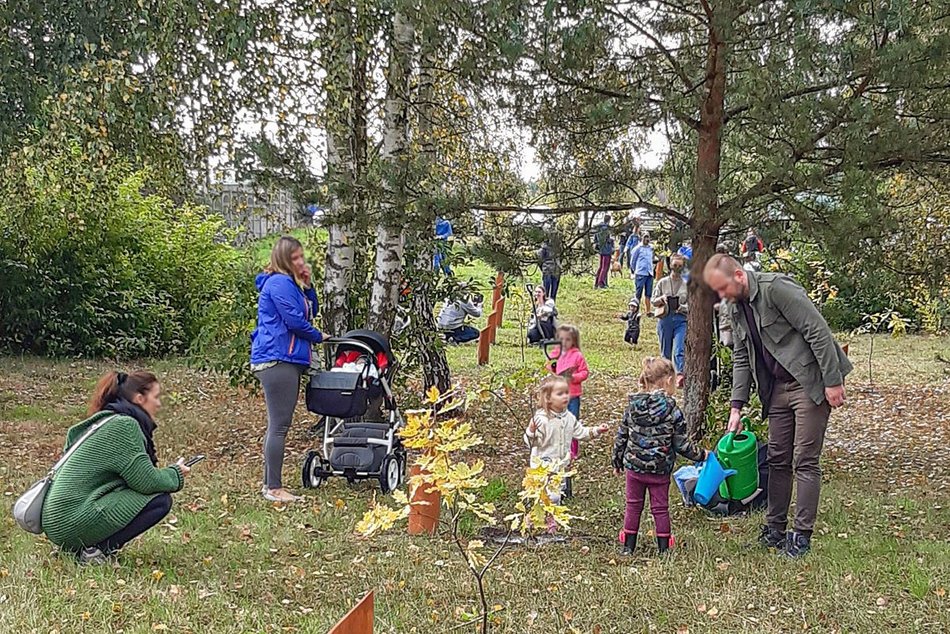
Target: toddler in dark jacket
[650, 435]
[632, 317]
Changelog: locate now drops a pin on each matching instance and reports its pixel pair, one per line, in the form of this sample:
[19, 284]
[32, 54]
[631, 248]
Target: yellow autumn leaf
[432, 395]
[157, 575]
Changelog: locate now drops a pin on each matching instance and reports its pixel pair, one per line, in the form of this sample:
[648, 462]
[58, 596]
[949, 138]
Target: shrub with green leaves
[94, 263]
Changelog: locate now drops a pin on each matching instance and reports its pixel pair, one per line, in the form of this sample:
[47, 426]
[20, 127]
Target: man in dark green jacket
[784, 344]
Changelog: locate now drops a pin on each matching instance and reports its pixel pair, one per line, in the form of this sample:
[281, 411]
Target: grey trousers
[281, 385]
[796, 436]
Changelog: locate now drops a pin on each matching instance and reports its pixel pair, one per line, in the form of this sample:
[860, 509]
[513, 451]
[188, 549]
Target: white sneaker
[284, 496]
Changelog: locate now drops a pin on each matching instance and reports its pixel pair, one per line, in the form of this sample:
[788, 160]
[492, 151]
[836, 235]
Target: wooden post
[488, 334]
[359, 620]
[496, 290]
[484, 342]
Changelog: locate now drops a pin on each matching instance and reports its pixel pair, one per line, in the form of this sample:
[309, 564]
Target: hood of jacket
[650, 408]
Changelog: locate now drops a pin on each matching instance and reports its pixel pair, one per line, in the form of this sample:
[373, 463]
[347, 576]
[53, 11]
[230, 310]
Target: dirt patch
[893, 437]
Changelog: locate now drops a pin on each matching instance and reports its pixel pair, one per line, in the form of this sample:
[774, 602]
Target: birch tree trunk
[342, 228]
[706, 223]
[390, 233]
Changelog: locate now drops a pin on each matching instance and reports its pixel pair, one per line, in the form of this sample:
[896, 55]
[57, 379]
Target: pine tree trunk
[705, 224]
[435, 365]
[390, 234]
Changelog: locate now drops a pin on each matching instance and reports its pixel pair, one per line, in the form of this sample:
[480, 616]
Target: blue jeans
[574, 407]
[644, 283]
[462, 334]
[550, 283]
[672, 333]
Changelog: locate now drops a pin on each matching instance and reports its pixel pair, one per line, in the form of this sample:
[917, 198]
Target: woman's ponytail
[115, 385]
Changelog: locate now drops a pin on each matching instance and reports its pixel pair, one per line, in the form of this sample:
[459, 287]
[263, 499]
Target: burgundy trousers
[659, 487]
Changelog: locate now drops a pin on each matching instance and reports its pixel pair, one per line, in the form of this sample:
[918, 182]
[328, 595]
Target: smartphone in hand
[194, 460]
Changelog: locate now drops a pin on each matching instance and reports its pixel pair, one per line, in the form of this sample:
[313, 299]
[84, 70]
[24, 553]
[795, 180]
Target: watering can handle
[730, 440]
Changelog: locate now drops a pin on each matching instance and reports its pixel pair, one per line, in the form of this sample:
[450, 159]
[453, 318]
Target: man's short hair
[725, 264]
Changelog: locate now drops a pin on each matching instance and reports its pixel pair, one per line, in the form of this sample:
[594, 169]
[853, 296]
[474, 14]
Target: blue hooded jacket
[284, 311]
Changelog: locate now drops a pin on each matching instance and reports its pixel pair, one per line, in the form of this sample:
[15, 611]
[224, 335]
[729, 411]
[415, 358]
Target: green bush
[94, 264]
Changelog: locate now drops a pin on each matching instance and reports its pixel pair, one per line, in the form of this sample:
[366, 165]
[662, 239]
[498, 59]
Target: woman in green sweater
[111, 490]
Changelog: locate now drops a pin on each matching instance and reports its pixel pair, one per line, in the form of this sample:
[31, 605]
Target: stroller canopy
[377, 342]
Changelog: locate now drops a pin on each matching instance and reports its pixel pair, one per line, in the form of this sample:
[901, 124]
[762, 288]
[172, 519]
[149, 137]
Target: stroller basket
[338, 394]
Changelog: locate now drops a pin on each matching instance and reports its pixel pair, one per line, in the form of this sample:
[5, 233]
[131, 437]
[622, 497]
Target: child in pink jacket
[572, 365]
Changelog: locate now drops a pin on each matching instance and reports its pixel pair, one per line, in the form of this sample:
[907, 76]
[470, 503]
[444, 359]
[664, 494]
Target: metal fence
[255, 213]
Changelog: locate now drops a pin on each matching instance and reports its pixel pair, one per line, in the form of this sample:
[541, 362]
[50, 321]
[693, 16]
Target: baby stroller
[355, 396]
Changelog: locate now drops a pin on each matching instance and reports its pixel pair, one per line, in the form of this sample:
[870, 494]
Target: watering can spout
[710, 477]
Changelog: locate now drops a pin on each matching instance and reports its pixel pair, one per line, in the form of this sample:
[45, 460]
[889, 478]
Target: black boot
[797, 545]
[663, 544]
[629, 543]
[772, 537]
[568, 488]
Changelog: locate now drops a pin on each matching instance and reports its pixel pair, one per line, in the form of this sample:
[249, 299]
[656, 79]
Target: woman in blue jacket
[281, 350]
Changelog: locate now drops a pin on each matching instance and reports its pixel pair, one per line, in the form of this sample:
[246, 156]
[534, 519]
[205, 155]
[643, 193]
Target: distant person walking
[630, 244]
[752, 246]
[641, 267]
[550, 268]
[605, 248]
[784, 344]
[443, 234]
[722, 312]
[686, 250]
[670, 298]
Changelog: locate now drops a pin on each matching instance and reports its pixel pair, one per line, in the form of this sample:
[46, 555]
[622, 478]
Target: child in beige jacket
[553, 427]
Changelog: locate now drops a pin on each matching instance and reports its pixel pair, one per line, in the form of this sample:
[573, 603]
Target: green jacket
[104, 484]
[793, 331]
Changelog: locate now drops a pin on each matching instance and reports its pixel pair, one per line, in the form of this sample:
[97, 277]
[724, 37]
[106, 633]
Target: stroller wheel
[389, 474]
[311, 480]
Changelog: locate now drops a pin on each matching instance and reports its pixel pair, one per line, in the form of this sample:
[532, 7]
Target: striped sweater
[104, 484]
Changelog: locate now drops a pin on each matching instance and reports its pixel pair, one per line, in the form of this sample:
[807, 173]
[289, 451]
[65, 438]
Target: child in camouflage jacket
[650, 435]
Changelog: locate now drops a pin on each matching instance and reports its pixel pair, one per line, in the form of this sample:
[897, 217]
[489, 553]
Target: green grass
[226, 561]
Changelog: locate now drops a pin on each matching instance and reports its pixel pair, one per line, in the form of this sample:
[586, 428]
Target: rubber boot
[663, 544]
[568, 488]
[629, 543]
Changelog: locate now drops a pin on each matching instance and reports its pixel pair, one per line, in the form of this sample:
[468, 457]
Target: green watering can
[740, 453]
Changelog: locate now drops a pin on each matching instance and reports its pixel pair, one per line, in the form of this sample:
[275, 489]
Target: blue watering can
[710, 477]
